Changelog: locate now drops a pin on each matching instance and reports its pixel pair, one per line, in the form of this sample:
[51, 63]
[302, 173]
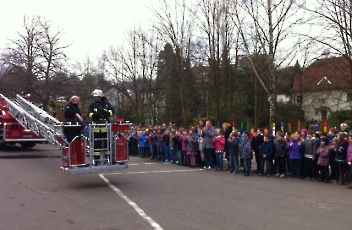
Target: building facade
[324, 87]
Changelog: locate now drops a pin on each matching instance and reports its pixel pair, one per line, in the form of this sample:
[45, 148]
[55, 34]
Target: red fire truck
[23, 122]
[11, 132]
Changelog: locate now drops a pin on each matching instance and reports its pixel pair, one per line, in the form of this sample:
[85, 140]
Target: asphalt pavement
[150, 194]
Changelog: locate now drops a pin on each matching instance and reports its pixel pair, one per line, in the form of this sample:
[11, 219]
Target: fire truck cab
[11, 132]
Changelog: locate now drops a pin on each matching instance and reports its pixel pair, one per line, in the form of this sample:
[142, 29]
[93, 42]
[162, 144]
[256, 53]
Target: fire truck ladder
[34, 118]
[77, 157]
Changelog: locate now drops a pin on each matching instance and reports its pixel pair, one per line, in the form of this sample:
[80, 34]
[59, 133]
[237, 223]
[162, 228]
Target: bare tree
[329, 28]
[174, 24]
[132, 69]
[84, 80]
[19, 56]
[332, 23]
[220, 46]
[52, 60]
[37, 50]
[266, 27]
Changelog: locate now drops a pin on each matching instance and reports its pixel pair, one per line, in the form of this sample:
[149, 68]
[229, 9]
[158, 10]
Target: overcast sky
[92, 26]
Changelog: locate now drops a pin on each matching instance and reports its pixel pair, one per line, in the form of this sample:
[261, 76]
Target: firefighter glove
[106, 113]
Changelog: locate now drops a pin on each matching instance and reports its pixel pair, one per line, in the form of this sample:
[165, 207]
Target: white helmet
[97, 93]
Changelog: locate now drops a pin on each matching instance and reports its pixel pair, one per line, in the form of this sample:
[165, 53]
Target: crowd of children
[307, 155]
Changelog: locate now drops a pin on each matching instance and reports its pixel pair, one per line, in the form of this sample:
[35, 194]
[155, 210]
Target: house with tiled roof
[325, 86]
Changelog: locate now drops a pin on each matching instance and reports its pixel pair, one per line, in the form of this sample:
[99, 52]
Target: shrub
[288, 113]
[338, 117]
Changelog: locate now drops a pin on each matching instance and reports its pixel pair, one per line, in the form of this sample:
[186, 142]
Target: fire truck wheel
[27, 145]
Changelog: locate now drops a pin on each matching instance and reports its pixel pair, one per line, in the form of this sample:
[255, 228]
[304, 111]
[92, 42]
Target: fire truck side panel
[13, 132]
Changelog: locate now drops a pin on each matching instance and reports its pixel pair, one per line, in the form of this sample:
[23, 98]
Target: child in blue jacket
[234, 143]
[266, 154]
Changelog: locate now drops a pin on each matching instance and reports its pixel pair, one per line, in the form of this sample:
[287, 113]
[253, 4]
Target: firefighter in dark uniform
[73, 116]
[100, 112]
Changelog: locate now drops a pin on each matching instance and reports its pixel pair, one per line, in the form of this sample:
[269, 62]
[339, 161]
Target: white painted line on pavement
[154, 224]
[132, 164]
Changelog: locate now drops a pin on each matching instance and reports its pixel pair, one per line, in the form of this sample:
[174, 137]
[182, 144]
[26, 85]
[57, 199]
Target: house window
[299, 99]
[349, 96]
[321, 100]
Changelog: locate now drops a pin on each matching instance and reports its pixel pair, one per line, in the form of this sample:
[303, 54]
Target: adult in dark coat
[73, 127]
[74, 116]
[209, 149]
[340, 152]
[257, 141]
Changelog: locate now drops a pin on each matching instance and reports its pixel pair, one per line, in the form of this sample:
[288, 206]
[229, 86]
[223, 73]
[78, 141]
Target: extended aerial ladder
[34, 118]
[11, 131]
[77, 156]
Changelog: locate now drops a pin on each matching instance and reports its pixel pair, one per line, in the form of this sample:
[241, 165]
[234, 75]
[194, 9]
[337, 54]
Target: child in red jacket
[219, 143]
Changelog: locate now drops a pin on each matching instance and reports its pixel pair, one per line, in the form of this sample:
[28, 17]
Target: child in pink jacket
[186, 161]
[219, 143]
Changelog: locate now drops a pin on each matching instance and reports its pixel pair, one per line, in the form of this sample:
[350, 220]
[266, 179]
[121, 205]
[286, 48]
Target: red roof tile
[336, 70]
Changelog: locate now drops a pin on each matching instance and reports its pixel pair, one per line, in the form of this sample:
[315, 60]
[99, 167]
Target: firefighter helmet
[97, 93]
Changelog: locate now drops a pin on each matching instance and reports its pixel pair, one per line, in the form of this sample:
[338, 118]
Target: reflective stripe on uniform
[100, 129]
[98, 153]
